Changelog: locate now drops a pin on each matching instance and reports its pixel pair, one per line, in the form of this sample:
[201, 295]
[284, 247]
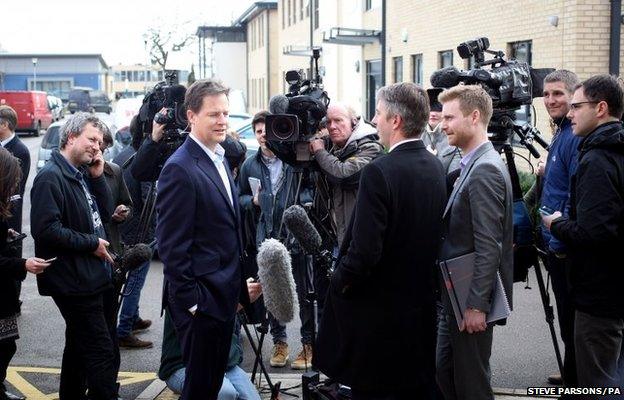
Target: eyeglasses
[576, 106]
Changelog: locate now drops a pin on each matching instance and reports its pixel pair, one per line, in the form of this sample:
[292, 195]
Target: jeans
[130, 305]
[236, 385]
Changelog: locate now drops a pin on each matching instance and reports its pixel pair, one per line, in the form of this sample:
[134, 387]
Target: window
[301, 10]
[284, 14]
[417, 69]
[445, 59]
[307, 9]
[521, 51]
[59, 87]
[316, 13]
[373, 83]
[469, 63]
[289, 14]
[398, 69]
[370, 4]
[294, 14]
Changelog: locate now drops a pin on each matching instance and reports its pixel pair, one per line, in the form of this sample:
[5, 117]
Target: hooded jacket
[342, 167]
[436, 139]
[594, 230]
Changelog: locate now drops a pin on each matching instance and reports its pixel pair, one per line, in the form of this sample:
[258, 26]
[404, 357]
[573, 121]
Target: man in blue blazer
[199, 241]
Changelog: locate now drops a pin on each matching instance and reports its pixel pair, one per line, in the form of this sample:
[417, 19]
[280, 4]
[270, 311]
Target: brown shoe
[134, 342]
[555, 379]
[280, 355]
[304, 358]
[141, 324]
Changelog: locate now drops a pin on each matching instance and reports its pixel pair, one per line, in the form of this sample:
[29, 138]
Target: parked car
[89, 100]
[33, 113]
[49, 142]
[246, 134]
[56, 107]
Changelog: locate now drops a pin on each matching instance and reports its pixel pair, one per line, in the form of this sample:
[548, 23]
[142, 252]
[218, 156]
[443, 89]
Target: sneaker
[304, 358]
[134, 342]
[555, 379]
[280, 355]
[141, 324]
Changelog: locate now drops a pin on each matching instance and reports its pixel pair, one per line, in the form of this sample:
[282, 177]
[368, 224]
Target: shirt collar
[5, 142]
[466, 159]
[73, 169]
[217, 155]
[394, 146]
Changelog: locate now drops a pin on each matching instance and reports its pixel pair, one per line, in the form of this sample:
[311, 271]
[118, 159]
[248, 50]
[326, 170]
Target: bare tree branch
[161, 40]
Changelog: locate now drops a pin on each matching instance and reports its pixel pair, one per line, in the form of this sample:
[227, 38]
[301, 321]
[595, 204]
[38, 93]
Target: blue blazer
[198, 234]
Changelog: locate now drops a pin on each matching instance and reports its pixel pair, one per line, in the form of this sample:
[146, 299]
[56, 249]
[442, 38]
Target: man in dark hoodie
[562, 160]
[593, 230]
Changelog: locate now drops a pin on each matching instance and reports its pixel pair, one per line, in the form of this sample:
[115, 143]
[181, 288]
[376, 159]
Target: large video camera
[510, 83]
[295, 117]
[169, 95]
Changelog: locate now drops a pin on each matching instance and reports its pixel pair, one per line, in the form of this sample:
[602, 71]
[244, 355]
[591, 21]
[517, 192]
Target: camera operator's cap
[434, 104]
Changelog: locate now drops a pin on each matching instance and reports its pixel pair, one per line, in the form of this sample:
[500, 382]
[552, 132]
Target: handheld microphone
[278, 104]
[299, 224]
[278, 284]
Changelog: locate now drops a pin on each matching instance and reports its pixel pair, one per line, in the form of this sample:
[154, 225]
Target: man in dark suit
[382, 292]
[478, 218]
[10, 141]
[199, 241]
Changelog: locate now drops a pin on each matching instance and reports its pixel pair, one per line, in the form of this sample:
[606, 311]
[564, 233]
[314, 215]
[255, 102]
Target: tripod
[506, 148]
[274, 389]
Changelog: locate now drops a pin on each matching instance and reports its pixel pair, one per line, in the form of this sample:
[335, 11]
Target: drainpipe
[614, 45]
[383, 43]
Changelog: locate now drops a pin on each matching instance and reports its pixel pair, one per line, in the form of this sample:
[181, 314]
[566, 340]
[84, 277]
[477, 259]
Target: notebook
[457, 273]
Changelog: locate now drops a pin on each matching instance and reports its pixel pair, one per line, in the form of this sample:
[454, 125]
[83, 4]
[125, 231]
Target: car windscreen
[51, 138]
[98, 97]
[80, 96]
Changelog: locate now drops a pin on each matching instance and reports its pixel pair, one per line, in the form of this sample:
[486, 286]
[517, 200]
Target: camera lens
[283, 128]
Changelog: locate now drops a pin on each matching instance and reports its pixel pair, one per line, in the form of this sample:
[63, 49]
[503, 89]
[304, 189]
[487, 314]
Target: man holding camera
[477, 220]
[592, 232]
[198, 232]
[562, 160]
[382, 293]
[70, 200]
[353, 145]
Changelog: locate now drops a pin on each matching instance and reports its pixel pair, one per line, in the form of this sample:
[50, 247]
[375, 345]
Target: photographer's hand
[36, 265]
[121, 213]
[316, 145]
[158, 130]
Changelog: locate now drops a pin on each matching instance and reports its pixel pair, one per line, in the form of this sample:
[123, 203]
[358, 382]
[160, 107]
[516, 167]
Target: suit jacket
[478, 217]
[19, 150]
[382, 294]
[198, 234]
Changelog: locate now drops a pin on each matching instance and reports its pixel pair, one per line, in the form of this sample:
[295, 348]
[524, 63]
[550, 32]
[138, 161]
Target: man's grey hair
[569, 79]
[411, 102]
[76, 124]
[351, 112]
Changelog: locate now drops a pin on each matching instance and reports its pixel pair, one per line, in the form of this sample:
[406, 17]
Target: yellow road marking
[15, 378]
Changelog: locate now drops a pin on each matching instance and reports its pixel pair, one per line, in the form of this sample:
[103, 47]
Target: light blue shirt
[217, 156]
[466, 159]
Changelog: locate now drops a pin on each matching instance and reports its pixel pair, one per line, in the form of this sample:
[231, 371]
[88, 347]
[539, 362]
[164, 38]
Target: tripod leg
[548, 311]
[258, 354]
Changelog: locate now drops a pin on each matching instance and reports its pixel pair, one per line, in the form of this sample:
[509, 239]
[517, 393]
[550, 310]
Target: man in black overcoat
[381, 303]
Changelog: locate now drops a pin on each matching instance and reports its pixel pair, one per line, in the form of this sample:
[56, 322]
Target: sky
[112, 28]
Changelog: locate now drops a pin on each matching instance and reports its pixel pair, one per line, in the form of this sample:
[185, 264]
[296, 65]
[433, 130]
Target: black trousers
[89, 359]
[205, 343]
[7, 351]
[556, 267]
